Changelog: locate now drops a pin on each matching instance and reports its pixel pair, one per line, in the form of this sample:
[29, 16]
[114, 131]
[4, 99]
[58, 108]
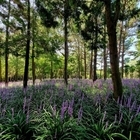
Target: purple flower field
[82, 110]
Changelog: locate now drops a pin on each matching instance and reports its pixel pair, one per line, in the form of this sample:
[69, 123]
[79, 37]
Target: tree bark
[33, 63]
[66, 42]
[25, 80]
[111, 29]
[33, 46]
[95, 65]
[105, 64]
[105, 56]
[120, 40]
[51, 72]
[95, 51]
[7, 44]
[123, 49]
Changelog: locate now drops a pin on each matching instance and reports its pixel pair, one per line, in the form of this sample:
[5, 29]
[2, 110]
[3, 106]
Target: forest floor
[81, 111]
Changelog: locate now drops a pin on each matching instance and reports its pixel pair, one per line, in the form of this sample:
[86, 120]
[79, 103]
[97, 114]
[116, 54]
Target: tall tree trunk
[105, 55]
[7, 44]
[33, 62]
[120, 40]
[91, 67]
[25, 80]
[114, 61]
[95, 51]
[95, 65]
[66, 42]
[85, 63]
[123, 49]
[51, 72]
[33, 46]
[105, 64]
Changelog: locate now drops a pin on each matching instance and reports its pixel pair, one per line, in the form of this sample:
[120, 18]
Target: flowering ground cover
[81, 111]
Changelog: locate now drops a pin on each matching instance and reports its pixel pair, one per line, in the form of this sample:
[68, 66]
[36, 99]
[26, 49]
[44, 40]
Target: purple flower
[70, 111]
[63, 109]
[70, 108]
[24, 104]
[129, 101]
[70, 87]
[72, 102]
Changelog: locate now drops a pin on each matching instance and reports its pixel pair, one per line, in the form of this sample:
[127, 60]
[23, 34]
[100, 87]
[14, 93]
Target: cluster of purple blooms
[67, 107]
[132, 102]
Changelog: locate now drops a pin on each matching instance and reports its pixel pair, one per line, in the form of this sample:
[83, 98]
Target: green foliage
[91, 29]
[47, 16]
[2, 1]
[51, 126]
[16, 126]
